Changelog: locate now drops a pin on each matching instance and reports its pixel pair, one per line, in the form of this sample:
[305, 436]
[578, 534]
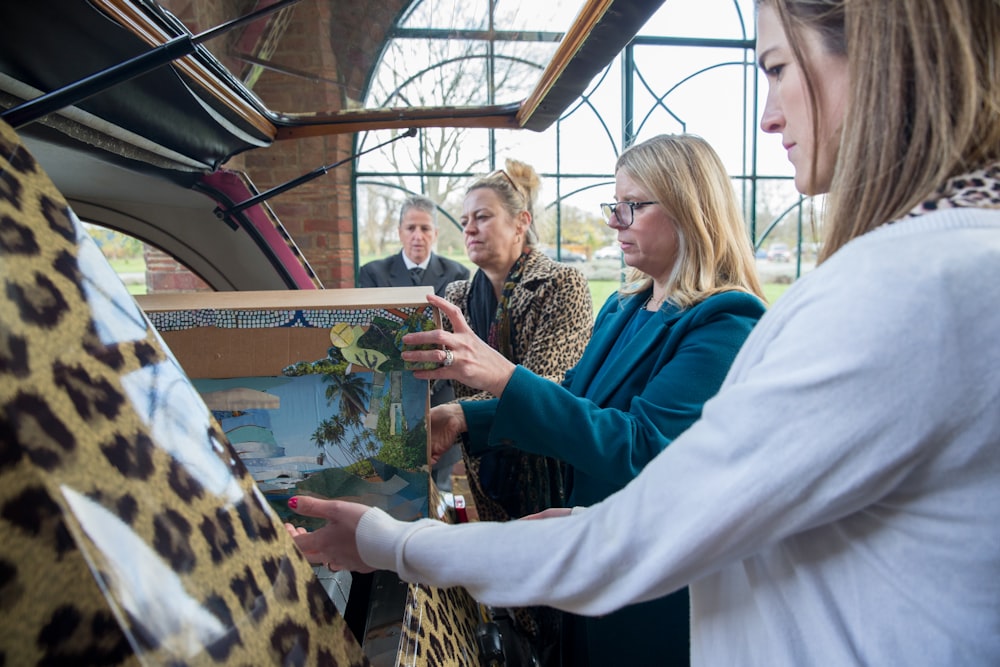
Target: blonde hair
[923, 105]
[517, 188]
[686, 177]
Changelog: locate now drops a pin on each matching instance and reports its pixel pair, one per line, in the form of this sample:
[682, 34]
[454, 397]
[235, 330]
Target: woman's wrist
[457, 415]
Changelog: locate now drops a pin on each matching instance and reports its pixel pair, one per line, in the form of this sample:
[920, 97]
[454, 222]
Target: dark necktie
[416, 274]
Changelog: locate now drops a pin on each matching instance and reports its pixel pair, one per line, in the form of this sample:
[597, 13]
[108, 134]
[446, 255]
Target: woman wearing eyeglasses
[661, 348]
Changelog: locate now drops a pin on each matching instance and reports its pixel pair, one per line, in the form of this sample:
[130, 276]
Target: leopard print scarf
[976, 189]
[500, 334]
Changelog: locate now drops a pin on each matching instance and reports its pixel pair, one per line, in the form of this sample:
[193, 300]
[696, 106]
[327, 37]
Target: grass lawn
[131, 265]
[128, 265]
[773, 290]
[600, 290]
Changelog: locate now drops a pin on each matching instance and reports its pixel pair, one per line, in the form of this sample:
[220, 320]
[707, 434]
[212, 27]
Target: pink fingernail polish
[293, 503]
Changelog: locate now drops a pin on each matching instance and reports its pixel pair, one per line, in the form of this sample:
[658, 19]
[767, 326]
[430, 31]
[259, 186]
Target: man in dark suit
[415, 264]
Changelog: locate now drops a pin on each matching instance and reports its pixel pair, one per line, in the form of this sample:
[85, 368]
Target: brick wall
[338, 41]
[163, 274]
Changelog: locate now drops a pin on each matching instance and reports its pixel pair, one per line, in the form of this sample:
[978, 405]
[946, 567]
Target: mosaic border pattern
[179, 320]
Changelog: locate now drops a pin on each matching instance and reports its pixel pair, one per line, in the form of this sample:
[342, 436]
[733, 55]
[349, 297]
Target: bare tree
[382, 220]
[432, 72]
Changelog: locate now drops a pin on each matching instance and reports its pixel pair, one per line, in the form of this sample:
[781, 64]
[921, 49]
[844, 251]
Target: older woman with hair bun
[535, 312]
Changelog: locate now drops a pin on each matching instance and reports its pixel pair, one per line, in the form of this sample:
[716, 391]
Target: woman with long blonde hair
[661, 347]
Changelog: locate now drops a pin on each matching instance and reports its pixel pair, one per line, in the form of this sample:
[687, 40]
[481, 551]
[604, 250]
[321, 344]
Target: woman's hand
[472, 361]
[447, 423]
[335, 544]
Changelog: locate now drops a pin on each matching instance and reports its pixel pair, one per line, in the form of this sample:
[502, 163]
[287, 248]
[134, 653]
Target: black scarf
[490, 317]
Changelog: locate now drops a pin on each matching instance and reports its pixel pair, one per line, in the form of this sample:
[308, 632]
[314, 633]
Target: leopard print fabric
[978, 189]
[439, 628]
[553, 318]
[129, 531]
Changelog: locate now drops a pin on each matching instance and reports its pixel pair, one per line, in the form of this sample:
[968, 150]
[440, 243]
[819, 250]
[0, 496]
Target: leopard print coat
[553, 318]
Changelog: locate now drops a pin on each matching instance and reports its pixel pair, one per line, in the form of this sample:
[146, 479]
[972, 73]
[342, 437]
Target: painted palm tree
[354, 443]
[353, 391]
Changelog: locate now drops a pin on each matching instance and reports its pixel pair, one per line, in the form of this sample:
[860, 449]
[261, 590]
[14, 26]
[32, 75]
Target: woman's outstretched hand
[447, 423]
[463, 356]
[335, 544]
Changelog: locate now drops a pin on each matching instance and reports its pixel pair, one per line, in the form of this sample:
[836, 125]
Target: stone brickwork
[338, 42]
[164, 274]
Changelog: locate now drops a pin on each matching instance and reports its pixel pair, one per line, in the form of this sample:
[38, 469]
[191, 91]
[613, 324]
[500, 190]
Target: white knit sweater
[837, 504]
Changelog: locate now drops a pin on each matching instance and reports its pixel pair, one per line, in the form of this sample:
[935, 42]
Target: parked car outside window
[779, 252]
[567, 255]
[612, 251]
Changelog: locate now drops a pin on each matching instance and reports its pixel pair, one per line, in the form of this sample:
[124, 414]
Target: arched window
[690, 69]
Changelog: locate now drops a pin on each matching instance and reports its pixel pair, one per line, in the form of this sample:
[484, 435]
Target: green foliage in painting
[416, 322]
[392, 442]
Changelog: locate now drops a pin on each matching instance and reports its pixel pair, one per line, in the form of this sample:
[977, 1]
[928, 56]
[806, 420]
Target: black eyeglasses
[612, 213]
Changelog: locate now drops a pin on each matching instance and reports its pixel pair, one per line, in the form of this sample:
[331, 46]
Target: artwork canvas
[333, 412]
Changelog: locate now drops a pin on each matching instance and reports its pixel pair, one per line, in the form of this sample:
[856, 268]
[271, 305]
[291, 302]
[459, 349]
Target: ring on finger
[449, 358]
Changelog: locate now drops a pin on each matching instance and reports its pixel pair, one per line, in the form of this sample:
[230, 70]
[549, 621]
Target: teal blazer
[652, 391]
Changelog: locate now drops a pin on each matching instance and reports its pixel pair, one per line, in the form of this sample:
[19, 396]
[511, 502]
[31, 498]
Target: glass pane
[704, 96]
[551, 15]
[448, 14]
[270, 55]
[713, 19]
[143, 268]
[420, 73]
[708, 89]
[535, 148]
[518, 67]
[124, 253]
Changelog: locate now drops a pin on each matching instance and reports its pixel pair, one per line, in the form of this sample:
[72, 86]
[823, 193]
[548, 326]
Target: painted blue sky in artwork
[303, 406]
